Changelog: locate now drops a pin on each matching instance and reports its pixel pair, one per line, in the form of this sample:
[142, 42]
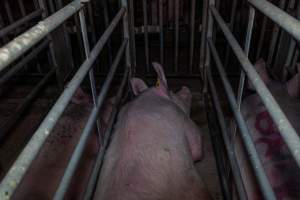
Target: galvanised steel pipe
[20, 22]
[70, 170]
[14, 49]
[288, 133]
[107, 135]
[258, 169]
[224, 131]
[286, 21]
[20, 166]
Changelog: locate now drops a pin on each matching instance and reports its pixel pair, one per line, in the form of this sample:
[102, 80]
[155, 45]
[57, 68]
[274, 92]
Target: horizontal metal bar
[244, 131]
[224, 130]
[63, 186]
[9, 124]
[14, 49]
[283, 19]
[24, 61]
[20, 166]
[20, 22]
[288, 133]
[107, 135]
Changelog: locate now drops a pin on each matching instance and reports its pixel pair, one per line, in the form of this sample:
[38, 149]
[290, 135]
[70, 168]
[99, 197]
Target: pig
[153, 147]
[45, 173]
[279, 165]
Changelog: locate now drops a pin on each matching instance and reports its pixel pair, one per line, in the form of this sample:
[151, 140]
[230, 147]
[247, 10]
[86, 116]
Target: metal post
[161, 29]
[203, 44]
[132, 34]
[261, 38]
[106, 24]
[21, 165]
[176, 35]
[63, 186]
[91, 72]
[192, 36]
[244, 131]
[146, 38]
[288, 133]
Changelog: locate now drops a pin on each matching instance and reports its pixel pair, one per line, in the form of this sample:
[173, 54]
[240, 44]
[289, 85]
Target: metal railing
[16, 48]
[290, 136]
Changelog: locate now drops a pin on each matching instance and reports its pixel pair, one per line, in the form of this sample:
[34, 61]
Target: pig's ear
[260, 67]
[293, 84]
[161, 83]
[185, 96]
[138, 86]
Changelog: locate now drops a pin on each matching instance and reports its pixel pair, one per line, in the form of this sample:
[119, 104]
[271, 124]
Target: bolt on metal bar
[275, 35]
[284, 20]
[8, 29]
[192, 35]
[244, 131]
[69, 172]
[91, 72]
[108, 133]
[288, 133]
[9, 124]
[161, 31]
[25, 41]
[176, 35]
[225, 135]
[24, 61]
[146, 36]
[20, 166]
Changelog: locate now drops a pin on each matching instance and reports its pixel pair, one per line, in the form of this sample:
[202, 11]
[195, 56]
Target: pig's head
[292, 86]
[182, 98]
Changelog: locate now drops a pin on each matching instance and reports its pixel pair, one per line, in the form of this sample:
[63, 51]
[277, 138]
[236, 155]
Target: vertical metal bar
[22, 8]
[106, 24]
[91, 19]
[176, 35]
[8, 12]
[295, 59]
[262, 37]
[5, 38]
[91, 72]
[78, 36]
[231, 26]
[276, 31]
[244, 131]
[161, 28]
[192, 36]
[132, 34]
[203, 37]
[126, 36]
[146, 35]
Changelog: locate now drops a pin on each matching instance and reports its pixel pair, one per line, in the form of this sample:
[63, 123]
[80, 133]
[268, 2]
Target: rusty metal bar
[69, 172]
[146, 36]
[288, 133]
[244, 131]
[20, 166]
[176, 35]
[25, 41]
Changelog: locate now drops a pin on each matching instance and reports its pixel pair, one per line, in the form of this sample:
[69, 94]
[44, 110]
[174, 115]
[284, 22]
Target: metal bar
[91, 72]
[262, 37]
[91, 19]
[132, 34]
[25, 41]
[146, 37]
[288, 133]
[108, 133]
[192, 36]
[24, 61]
[20, 166]
[8, 12]
[106, 23]
[203, 37]
[286, 21]
[275, 35]
[9, 124]
[231, 26]
[126, 36]
[78, 36]
[20, 22]
[63, 186]
[22, 8]
[161, 31]
[245, 135]
[176, 35]
[217, 147]
[225, 135]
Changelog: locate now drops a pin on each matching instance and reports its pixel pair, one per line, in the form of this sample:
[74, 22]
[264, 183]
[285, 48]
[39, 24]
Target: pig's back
[148, 157]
